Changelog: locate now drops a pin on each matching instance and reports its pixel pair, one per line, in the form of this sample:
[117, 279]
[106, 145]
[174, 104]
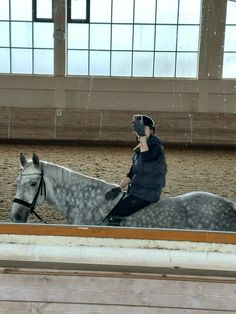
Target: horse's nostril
[17, 217]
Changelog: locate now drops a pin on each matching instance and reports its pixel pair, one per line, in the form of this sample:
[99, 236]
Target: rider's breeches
[128, 206]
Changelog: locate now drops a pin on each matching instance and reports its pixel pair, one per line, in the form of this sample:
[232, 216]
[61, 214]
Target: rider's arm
[151, 152]
[124, 182]
[127, 179]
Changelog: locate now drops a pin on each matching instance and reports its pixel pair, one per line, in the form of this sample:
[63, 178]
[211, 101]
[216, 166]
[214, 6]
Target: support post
[212, 39]
[60, 29]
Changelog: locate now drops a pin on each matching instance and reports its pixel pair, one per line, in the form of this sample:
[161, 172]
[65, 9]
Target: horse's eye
[33, 183]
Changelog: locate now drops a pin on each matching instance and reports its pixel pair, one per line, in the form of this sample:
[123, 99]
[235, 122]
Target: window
[135, 38]
[42, 10]
[78, 11]
[229, 65]
[26, 44]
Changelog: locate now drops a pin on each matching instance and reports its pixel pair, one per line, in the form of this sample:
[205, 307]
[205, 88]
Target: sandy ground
[193, 169]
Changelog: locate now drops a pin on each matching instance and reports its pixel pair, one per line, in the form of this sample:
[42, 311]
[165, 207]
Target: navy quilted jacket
[148, 171]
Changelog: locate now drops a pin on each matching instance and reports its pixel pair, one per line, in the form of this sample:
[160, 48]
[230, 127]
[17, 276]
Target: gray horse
[80, 199]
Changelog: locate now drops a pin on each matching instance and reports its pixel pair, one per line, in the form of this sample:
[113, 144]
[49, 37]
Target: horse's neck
[76, 195]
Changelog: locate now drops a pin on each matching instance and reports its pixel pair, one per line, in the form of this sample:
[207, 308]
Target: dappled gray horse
[80, 199]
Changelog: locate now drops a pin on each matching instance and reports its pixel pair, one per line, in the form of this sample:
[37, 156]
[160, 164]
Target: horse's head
[30, 189]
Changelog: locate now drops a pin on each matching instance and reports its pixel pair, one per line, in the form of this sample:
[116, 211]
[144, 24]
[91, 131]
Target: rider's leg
[124, 208]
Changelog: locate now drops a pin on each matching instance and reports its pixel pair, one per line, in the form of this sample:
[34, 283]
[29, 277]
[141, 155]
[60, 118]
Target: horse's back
[194, 210]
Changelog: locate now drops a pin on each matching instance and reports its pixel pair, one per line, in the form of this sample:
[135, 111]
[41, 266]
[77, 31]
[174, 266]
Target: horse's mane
[67, 172]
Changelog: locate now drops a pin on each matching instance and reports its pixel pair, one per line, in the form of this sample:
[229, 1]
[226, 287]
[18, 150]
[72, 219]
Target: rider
[146, 177]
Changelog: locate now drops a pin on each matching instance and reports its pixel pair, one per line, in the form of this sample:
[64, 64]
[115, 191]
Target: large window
[229, 67]
[26, 36]
[137, 38]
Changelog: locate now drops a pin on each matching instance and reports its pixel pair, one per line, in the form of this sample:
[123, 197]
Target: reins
[31, 206]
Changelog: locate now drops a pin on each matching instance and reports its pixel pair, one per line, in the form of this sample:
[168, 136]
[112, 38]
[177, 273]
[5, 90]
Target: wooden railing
[119, 233]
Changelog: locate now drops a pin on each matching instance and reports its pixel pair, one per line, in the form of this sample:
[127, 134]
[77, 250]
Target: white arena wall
[100, 109]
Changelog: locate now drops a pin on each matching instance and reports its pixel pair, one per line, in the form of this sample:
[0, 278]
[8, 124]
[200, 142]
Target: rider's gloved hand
[113, 193]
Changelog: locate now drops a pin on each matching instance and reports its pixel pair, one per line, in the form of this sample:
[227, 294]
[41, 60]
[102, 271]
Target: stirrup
[114, 221]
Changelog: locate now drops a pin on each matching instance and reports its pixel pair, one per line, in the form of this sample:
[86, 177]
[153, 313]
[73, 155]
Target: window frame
[34, 13]
[154, 51]
[70, 20]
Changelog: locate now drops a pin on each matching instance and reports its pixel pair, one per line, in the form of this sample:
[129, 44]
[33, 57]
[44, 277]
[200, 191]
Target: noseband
[31, 206]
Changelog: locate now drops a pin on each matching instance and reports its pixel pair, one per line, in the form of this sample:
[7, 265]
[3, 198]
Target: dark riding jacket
[148, 171]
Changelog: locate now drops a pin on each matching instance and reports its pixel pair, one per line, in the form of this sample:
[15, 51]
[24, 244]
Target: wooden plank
[173, 127]
[117, 126]
[4, 122]
[78, 125]
[119, 233]
[66, 308]
[29, 123]
[118, 291]
[117, 274]
[214, 128]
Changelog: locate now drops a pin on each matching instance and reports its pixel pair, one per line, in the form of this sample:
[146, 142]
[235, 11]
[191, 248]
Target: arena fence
[102, 269]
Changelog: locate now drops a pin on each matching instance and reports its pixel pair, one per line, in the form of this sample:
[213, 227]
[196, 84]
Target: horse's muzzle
[19, 217]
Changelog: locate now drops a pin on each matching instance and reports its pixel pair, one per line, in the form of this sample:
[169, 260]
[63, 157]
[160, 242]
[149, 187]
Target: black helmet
[146, 120]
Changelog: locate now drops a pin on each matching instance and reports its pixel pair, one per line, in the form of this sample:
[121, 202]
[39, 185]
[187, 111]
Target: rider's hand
[113, 193]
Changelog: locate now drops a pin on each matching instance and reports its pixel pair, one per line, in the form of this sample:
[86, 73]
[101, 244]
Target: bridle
[41, 190]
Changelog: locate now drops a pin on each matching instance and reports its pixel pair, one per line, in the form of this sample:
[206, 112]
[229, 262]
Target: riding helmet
[146, 121]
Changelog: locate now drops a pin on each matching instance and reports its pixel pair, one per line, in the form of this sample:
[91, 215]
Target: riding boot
[114, 221]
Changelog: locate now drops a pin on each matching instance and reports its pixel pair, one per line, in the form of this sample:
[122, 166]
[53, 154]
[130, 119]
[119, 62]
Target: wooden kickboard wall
[115, 126]
[42, 292]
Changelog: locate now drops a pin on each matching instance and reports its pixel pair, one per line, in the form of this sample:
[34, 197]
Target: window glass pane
[145, 11]
[44, 9]
[143, 37]
[21, 34]
[121, 63]
[22, 61]
[4, 11]
[77, 62]
[167, 11]
[188, 38]
[43, 61]
[164, 64]
[230, 38]
[21, 10]
[122, 11]
[4, 60]
[229, 68]
[122, 37]
[100, 36]
[166, 37]
[78, 9]
[99, 63]
[143, 64]
[186, 65]
[4, 31]
[189, 11]
[100, 11]
[231, 12]
[43, 35]
[77, 36]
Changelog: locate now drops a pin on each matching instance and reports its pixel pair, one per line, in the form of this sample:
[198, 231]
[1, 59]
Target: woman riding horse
[146, 177]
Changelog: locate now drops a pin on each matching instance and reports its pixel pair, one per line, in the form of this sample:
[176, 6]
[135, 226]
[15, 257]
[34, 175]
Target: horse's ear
[35, 160]
[23, 160]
